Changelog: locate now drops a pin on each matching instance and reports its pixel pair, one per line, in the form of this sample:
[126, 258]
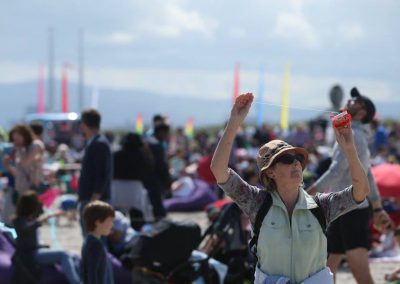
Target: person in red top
[204, 170]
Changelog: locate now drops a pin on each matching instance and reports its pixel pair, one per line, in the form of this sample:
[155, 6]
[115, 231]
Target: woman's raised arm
[220, 160]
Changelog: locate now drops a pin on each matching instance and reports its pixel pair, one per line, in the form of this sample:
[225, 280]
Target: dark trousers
[156, 199]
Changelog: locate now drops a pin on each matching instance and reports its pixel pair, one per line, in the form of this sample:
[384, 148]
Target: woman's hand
[344, 137]
[220, 160]
[241, 107]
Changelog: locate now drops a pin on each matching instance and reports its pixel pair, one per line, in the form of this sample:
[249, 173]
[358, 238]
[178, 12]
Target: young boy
[98, 220]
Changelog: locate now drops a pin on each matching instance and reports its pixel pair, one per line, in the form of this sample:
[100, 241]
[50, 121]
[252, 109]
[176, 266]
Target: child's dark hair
[96, 211]
[28, 204]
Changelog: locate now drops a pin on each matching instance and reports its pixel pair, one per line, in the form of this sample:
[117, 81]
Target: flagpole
[81, 71]
[50, 78]
[260, 106]
[285, 100]
[94, 101]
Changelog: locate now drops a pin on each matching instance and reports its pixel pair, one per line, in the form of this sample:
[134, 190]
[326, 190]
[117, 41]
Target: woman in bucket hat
[291, 245]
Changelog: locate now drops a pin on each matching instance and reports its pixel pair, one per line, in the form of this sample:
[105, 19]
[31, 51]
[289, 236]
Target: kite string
[301, 108]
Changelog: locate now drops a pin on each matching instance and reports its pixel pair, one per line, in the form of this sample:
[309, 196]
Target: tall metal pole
[50, 106]
[81, 69]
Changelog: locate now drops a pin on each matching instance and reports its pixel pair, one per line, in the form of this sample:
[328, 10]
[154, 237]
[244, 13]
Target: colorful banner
[261, 105]
[189, 128]
[285, 100]
[139, 124]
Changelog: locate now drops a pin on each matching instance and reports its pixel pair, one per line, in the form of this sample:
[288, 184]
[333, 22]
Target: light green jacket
[296, 249]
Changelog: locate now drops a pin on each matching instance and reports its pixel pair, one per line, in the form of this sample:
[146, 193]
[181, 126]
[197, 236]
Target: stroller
[227, 240]
[163, 255]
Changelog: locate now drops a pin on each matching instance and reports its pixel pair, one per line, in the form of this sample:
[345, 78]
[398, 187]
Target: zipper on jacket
[291, 240]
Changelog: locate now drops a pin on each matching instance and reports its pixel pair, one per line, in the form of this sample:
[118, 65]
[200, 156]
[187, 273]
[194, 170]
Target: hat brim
[298, 150]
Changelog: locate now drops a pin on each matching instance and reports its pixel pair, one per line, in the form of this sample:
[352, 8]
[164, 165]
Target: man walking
[158, 181]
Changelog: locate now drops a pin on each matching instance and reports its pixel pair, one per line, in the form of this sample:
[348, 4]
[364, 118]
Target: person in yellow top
[291, 246]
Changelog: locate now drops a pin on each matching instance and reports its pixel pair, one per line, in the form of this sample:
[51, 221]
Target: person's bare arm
[220, 160]
[44, 218]
[344, 137]
[381, 218]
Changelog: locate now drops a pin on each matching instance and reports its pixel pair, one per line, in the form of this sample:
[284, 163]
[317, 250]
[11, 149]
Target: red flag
[236, 87]
[40, 106]
[64, 90]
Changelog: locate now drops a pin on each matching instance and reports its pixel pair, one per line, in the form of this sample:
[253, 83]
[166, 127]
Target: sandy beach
[70, 238]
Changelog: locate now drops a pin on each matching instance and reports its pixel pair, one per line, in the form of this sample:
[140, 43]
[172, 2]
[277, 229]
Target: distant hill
[120, 107]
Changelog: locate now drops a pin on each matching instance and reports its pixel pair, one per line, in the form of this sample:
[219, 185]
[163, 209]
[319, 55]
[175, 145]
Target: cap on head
[369, 105]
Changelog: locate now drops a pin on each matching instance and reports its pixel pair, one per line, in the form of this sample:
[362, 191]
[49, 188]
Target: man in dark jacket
[96, 173]
[158, 182]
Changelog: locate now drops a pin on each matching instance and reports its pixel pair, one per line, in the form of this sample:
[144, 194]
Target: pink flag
[236, 87]
[64, 90]
[40, 106]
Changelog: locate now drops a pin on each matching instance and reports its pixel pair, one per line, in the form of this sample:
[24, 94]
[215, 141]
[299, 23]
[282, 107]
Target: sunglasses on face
[358, 101]
[288, 159]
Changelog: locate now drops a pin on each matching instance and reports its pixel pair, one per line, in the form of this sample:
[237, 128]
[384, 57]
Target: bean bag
[197, 201]
[50, 273]
[121, 274]
[6, 251]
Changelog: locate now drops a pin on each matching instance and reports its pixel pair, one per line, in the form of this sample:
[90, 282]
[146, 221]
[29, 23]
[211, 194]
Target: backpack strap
[319, 214]
[262, 212]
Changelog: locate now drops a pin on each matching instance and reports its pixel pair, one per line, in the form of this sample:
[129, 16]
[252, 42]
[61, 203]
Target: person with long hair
[24, 167]
[26, 164]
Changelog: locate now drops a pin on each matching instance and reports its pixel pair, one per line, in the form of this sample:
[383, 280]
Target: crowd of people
[123, 183]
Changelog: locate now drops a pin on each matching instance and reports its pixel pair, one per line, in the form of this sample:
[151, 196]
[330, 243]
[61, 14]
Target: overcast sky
[182, 47]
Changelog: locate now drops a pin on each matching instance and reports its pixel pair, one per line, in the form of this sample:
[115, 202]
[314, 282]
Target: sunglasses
[288, 159]
[358, 101]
